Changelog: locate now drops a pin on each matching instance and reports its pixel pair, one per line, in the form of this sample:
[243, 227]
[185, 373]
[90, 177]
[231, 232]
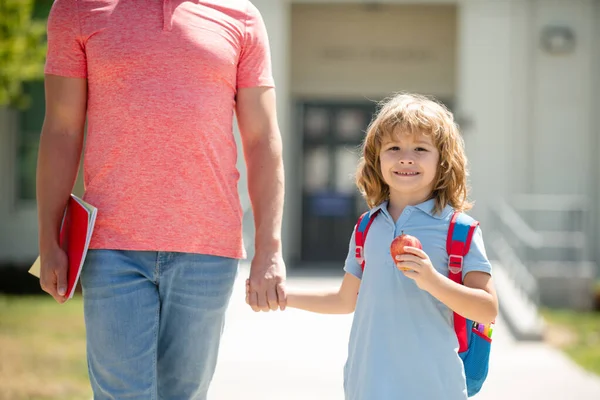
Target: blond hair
[416, 114]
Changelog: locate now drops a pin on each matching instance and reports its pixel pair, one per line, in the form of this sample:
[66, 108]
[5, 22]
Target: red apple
[397, 246]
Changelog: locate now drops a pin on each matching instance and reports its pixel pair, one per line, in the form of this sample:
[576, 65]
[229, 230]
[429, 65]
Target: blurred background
[522, 78]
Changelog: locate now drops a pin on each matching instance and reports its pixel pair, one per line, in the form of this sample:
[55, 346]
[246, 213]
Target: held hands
[416, 265]
[265, 289]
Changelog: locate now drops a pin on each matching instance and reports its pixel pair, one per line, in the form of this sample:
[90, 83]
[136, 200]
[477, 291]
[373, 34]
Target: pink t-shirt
[160, 156]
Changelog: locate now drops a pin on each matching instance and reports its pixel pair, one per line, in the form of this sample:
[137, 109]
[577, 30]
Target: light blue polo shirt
[402, 344]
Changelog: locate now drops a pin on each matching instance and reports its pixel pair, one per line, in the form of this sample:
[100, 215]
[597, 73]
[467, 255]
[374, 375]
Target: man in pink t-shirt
[158, 83]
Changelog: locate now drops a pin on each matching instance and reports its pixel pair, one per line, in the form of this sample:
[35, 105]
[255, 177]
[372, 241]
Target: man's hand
[53, 273]
[266, 285]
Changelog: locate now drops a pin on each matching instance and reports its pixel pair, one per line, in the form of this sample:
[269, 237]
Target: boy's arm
[476, 299]
[342, 301]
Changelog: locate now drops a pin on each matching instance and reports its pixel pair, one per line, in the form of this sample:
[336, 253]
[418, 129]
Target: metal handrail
[519, 227]
[508, 255]
[575, 206]
[550, 202]
[517, 244]
[516, 270]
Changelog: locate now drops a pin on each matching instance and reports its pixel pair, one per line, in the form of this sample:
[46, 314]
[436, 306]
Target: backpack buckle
[455, 263]
[359, 254]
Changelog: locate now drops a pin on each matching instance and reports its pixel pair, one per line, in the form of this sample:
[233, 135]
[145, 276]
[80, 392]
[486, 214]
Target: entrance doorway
[332, 134]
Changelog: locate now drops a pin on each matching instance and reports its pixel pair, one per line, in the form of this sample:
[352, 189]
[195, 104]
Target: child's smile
[406, 173]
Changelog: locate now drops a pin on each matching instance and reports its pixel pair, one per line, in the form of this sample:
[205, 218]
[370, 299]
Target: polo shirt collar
[427, 207]
[381, 206]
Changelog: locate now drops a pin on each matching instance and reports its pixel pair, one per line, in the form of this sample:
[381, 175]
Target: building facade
[521, 76]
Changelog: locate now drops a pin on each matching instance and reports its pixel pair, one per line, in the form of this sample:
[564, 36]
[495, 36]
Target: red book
[75, 234]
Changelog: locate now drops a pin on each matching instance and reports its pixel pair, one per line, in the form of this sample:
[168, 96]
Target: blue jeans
[154, 322]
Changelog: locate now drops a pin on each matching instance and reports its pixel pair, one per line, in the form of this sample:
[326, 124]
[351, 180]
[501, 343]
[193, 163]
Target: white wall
[562, 101]
[484, 89]
[520, 82]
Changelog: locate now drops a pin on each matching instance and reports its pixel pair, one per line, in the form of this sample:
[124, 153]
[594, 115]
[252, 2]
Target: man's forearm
[266, 190]
[474, 304]
[58, 163]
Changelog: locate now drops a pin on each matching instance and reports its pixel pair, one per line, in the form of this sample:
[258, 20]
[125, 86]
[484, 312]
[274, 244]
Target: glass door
[332, 133]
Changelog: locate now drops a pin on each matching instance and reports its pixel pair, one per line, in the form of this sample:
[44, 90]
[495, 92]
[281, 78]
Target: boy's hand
[416, 265]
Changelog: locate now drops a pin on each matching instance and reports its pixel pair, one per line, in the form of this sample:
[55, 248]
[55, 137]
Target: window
[30, 123]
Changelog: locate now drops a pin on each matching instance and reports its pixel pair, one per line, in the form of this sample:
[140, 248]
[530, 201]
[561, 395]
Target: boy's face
[409, 165]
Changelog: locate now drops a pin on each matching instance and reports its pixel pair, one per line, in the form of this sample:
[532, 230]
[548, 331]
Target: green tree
[22, 50]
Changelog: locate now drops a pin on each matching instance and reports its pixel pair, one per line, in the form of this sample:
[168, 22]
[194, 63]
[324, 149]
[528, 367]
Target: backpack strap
[360, 235]
[460, 233]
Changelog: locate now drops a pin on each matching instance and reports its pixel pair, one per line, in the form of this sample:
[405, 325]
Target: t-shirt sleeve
[351, 265]
[66, 52]
[254, 67]
[476, 259]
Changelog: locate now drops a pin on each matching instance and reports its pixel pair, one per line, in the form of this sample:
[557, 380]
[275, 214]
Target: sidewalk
[295, 355]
